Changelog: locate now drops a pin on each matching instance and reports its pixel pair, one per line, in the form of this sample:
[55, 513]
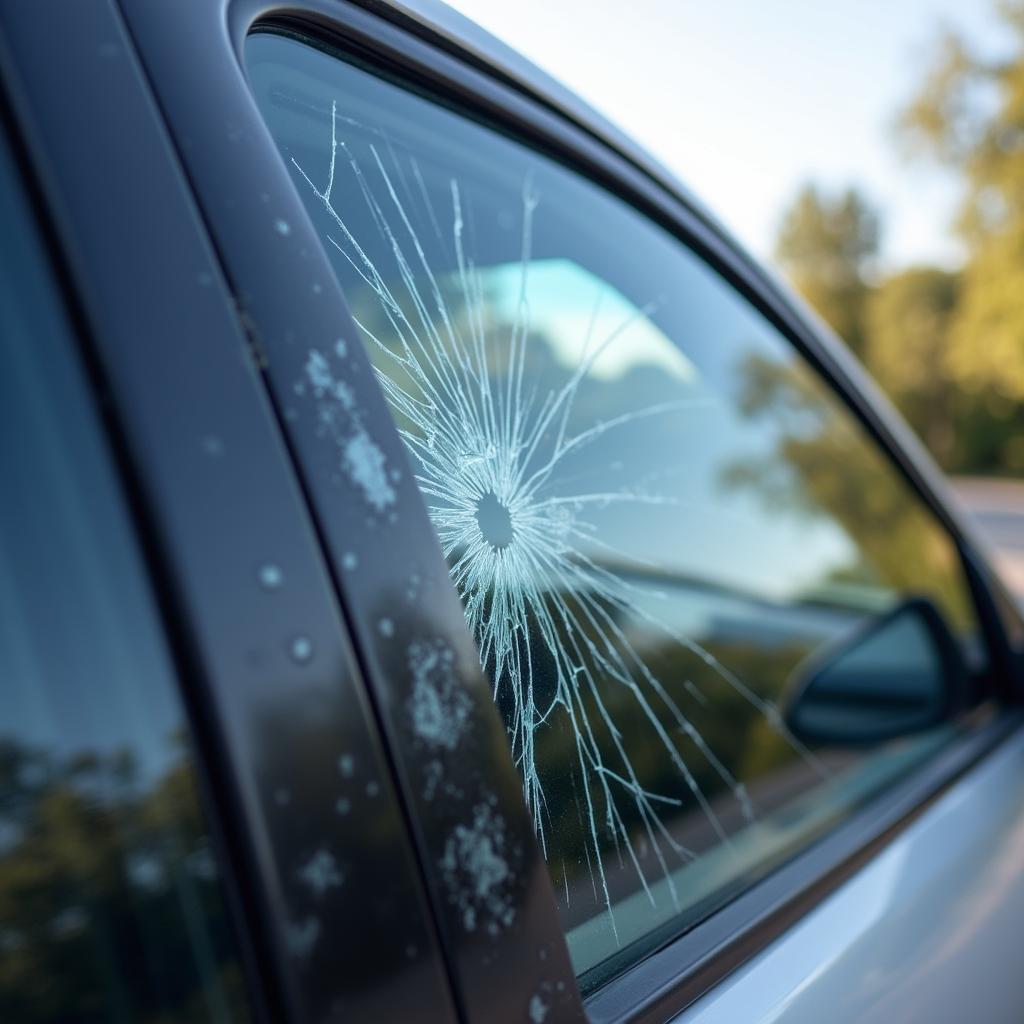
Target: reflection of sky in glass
[709, 533]
[569, 306]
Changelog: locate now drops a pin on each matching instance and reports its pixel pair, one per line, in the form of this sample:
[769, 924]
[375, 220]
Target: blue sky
[745, 100]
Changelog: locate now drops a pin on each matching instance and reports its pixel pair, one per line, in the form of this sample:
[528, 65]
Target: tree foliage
[969, 115]
[908, 325]
[948, 347]
[826, 245]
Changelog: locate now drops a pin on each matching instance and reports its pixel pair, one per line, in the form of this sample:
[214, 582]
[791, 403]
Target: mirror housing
[894, 675]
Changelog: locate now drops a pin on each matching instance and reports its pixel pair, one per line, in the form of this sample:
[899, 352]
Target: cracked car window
[653, 511]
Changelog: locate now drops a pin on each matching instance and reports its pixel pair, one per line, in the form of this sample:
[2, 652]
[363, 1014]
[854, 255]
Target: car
[443, 577]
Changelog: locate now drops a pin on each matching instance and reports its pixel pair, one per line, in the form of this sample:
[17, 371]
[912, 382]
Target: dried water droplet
[302, 649]
[271, 577]
[213, 446]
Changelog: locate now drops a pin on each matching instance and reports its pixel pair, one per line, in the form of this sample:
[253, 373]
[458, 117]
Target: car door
[490, 338]
[358, 155]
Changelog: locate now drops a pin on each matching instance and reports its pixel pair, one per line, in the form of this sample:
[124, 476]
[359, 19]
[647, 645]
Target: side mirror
[896, 674]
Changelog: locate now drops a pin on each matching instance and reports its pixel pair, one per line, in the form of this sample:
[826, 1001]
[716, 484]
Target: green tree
[826, 245]
[909, 317]
[969, 115]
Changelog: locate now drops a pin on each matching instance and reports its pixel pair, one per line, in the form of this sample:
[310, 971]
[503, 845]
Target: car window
[110, 899]
[660, 521]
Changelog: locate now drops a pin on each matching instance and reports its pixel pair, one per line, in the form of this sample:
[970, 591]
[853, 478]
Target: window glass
[663, 527]
[110, 905]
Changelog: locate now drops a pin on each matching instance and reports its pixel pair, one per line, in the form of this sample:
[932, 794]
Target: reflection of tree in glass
[109, 902]
[822, 466]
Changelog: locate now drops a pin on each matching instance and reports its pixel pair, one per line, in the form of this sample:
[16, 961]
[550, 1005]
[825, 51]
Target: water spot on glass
[302, 649]
[302, 936]
[346, 766]
[343, 805]
[201, 864]
[341, 348]
[439, 705]
[68, 922]
[145, 871]
[317, 288]
[320, 873]
[386, 627]
[372, 788]
[476, 871]
[282, 227]
[362, 459]
[365, 464]
[349, 560]
[538, 1010]
[271, 577]
[213, 446]
[433, 774]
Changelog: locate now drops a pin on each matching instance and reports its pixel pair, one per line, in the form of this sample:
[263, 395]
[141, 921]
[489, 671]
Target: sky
[745, 100]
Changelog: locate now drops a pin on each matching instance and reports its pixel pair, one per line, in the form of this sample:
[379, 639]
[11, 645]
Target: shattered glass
[651, 508]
